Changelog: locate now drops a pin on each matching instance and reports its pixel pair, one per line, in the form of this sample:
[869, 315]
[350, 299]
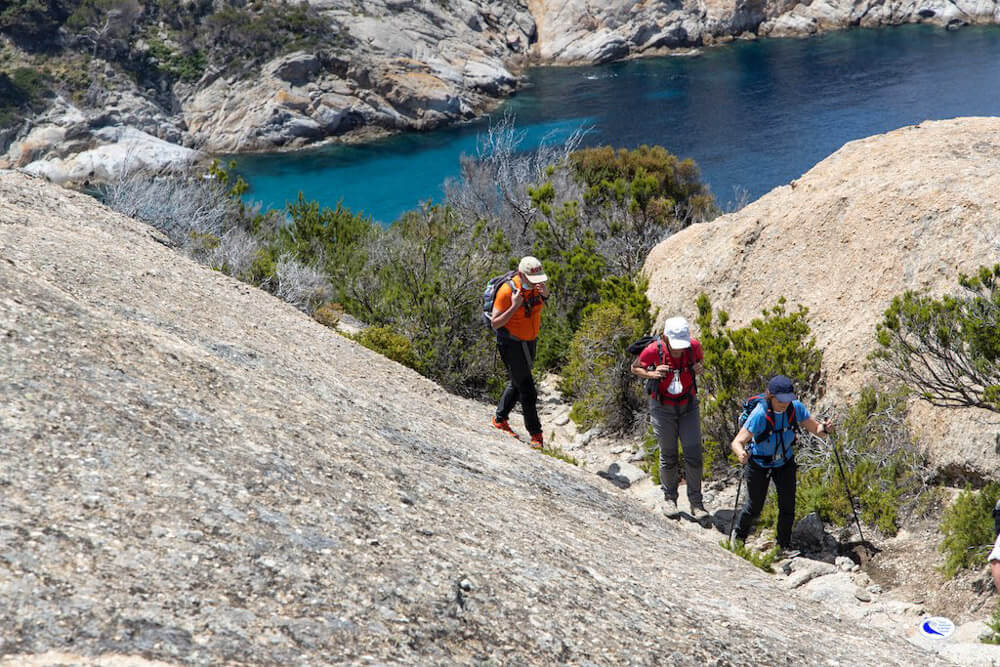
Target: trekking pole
[736, 508]
[847, 488]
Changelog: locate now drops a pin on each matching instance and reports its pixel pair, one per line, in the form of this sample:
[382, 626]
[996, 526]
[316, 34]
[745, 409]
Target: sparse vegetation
[558, 453]
[763, 560]
[967, 525]
[885, 471]
[993, 627]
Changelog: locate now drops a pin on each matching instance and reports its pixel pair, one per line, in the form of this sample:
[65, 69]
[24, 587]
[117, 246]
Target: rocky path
[896, 590]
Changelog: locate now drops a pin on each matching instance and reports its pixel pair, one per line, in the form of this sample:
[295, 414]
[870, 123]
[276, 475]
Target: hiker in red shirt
[675, 361]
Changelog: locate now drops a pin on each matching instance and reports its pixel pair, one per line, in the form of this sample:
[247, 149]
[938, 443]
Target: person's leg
[511, 355]
[756, 480]
[526, 389]
[690, 434]
[665, 427]
[784, 482]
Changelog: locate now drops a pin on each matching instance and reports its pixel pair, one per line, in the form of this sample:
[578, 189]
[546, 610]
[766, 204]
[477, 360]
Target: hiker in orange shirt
[516, 318]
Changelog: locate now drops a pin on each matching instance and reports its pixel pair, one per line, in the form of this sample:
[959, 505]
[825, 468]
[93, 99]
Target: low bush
[598, 376]
[968, 529]
[947, 350]
[391, 344]
[237, 37]
[329, 314]
[299, 284]
[184, 66]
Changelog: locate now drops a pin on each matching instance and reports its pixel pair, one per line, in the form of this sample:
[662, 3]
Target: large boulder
[119, 149]
[909, 209]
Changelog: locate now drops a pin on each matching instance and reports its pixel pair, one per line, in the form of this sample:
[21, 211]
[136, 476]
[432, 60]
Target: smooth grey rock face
[623, 474]
[196, 472]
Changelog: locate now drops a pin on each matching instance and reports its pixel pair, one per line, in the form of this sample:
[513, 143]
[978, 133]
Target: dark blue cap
[781, 388]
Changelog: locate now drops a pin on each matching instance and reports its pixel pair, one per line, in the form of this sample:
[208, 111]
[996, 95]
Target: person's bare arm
[995, 570]
[819, 428]
[739, 445]
[643, 372]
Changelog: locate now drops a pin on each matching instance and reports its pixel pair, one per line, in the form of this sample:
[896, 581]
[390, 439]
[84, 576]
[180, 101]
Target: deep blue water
[753, 115]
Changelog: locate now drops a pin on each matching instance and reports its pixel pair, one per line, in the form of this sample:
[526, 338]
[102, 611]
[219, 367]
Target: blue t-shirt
[771, 447]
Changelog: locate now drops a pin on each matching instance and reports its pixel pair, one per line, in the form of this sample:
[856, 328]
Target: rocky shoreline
[413, 65]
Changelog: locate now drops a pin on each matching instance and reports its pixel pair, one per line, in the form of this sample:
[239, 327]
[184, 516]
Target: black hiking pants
[519, 356]
[756, 479]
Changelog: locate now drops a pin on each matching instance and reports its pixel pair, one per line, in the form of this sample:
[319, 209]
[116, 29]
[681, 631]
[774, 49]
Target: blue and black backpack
[791, 421]
[490, 295]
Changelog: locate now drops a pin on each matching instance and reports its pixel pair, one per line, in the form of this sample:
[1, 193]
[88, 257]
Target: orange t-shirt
[521, 325]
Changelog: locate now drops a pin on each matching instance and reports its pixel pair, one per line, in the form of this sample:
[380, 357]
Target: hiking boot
[787, 553]
[504, 426]
[536, 441]
[699, 512]
[670, 509]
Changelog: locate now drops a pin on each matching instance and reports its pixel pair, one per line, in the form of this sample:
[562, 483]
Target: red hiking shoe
[504, 426]
[536, 441]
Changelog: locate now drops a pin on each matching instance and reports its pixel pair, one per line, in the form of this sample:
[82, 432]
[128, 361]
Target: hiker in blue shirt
[765, 446]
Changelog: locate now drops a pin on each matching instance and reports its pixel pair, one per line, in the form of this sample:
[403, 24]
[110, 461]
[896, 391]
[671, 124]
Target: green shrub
[236, 37]
[946, 350]
[649, 182]
[184, 66]
[420, 276]
[598, 374]
[391, 344]
[651, 455]
[333, 239]
[968, 529]
[739, 362]
[992, 635]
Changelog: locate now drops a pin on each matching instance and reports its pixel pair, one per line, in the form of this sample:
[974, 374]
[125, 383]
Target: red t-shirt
[650, 356]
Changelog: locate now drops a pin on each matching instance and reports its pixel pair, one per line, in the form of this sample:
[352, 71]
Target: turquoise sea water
[754, 115]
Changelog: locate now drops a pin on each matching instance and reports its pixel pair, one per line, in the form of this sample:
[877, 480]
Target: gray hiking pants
[671, 422]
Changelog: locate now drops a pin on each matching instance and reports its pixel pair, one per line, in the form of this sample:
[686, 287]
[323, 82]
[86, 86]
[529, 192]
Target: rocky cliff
[195, 472]
[909, 209]
[410, 65]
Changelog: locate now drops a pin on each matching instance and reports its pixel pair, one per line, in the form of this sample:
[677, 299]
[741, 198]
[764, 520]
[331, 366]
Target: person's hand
[517, 298]
[662, 370]
[543, 289]
[744, 456]
[698, 367]
[828, 427]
